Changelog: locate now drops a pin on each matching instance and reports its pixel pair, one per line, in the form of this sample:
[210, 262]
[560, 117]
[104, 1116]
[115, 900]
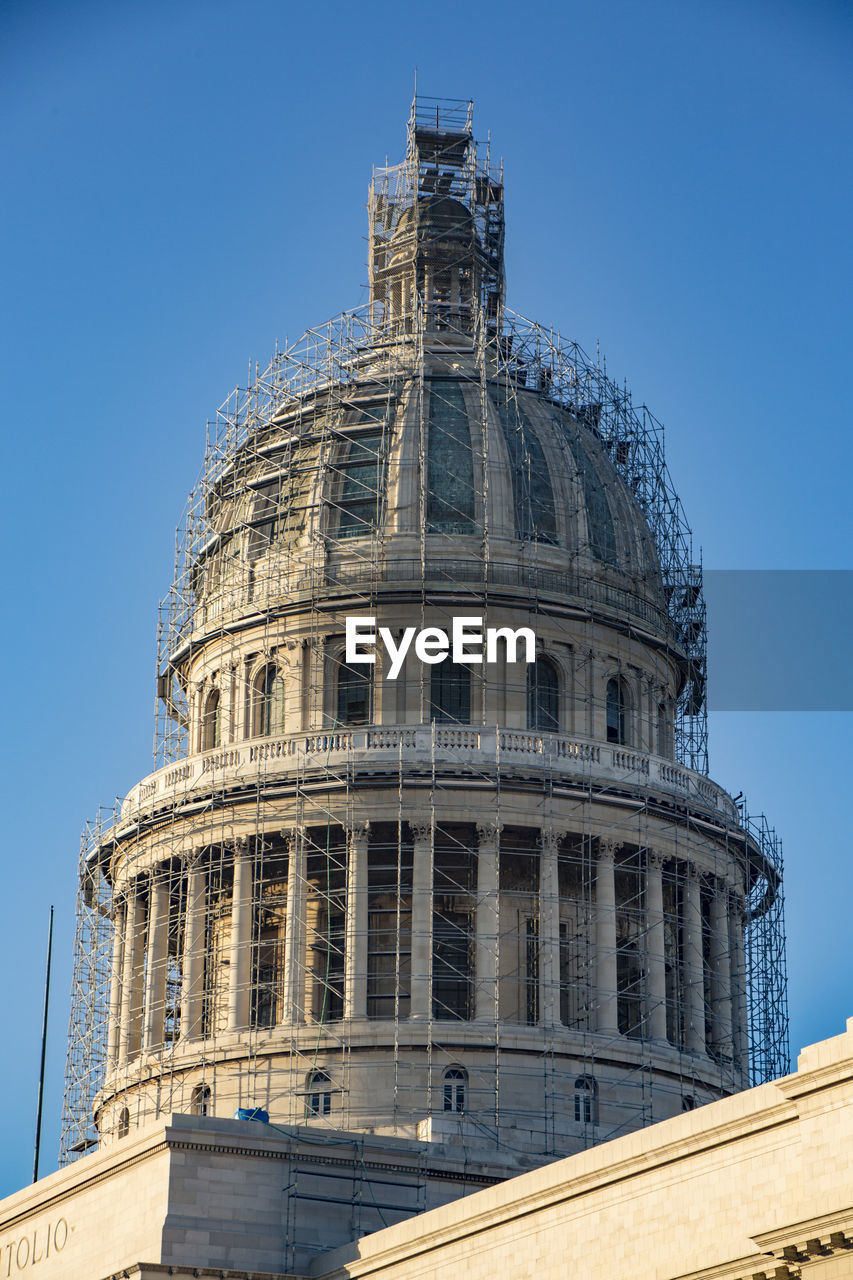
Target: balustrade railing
[487, 747]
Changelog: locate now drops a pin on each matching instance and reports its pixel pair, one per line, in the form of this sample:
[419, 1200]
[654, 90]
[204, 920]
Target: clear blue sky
[185, 182]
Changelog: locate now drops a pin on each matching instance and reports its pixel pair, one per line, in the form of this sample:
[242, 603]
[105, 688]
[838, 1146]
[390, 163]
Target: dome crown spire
[436, 226]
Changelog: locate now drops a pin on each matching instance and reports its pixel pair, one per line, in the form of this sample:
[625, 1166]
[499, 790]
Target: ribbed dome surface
[486, 472]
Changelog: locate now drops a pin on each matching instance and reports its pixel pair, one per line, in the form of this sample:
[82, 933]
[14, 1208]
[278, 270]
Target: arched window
[319, 1094]
[586, 1100]
[617, 709]
[543, 696]
[211, 722]
[200, 1100]
[268, 702]
[450, 693]
[455, 1082]
[355, 694]
[124, 1123]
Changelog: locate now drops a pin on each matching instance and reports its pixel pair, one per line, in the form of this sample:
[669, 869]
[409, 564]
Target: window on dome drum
[172, 1006]
[629, 887]
[455, 1081]
[358, 483]
[264, 516]
[389, 921]
[533, 496]
[600, 527]
[268, 950]
[674, 930]
[617, 712]
[355, 695]
[124, 1123]
[450, 469]
[325, 919]
[319, 1101]
[586, 1100]
[454, 906]
[450, 693]
[574, 877]
[688, 1103]
[543, 696]
[211, 725]
[518, 924]
[200, 1100]
[279, 503]
[268, 702]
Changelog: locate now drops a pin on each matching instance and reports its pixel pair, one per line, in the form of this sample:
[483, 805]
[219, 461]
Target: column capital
[358, 830]
[551, 840]
[421, 828]
[691, 868]
[655, 858]
[488, 831]
[607, 849]
[289, 835]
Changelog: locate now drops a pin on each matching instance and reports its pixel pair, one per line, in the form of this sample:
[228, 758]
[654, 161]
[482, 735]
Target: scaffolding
[294, 806]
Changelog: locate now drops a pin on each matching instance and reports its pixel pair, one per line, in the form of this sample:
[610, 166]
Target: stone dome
[490, 900]
[499, 474]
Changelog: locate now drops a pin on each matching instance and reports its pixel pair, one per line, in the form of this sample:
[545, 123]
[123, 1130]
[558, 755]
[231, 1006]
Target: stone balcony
[481, 750]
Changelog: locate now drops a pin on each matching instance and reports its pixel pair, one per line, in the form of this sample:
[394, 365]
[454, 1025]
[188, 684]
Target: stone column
[195, 707]
[240, 972]
[119, 916]
[192, 975]
[655, 948]
[294, 934]
[158, 951]
[606, 994]
[486, 964]
[422, 879]
[131, 982]
[721, 995]
[694, 980]
[355, 959]
[549, 930]
[738, 984]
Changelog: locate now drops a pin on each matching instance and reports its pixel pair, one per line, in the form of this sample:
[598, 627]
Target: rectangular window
[450, 693]
[450, 470]
[630, 931]
[532, 971]
[360, 471]
[518, 943]
[454, 904]
[389, 910]
[325, 908]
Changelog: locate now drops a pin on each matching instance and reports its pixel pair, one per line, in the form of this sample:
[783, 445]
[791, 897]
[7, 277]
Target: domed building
[467, 886]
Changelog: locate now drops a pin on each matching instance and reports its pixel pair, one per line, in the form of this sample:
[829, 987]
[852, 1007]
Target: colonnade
[709, 984]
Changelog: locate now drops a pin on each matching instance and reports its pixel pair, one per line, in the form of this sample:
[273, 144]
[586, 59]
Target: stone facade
[747, 1188]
